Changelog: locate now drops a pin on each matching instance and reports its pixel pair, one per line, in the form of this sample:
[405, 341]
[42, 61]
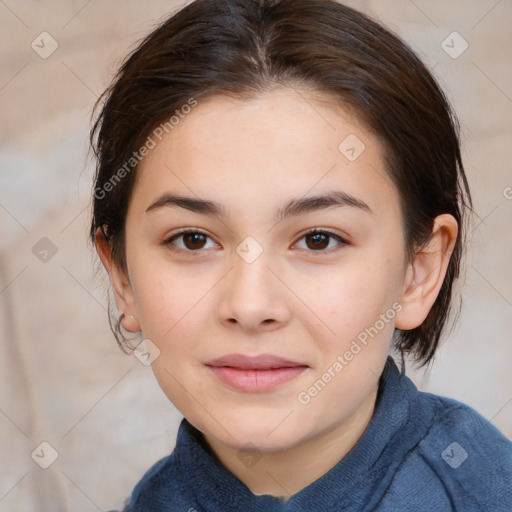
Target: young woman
[280, 200]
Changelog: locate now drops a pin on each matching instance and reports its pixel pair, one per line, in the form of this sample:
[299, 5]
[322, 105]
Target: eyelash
[169, 241]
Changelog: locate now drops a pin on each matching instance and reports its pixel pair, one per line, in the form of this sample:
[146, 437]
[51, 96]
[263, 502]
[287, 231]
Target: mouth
[255, 374]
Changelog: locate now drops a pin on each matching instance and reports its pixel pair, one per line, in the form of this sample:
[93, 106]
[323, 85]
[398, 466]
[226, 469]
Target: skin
[294, 300]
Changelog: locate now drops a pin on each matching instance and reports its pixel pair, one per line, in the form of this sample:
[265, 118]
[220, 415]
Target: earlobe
[426, 272]
[121, 285]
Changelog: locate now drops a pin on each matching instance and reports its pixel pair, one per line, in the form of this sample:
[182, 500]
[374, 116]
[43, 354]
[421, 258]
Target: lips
[261, 362]
[255, 374]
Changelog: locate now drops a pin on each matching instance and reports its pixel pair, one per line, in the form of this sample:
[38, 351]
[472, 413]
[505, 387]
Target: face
[267, 268]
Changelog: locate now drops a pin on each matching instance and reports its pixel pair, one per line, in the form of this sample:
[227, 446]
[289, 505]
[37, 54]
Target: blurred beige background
[62, 379]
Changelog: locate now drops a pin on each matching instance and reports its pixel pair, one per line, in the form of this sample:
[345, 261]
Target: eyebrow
[294, 207]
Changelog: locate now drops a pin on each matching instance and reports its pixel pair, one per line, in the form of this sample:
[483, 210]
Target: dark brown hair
[244, 47]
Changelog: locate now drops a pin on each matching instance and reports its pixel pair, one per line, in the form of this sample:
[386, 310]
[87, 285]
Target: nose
[253, 298]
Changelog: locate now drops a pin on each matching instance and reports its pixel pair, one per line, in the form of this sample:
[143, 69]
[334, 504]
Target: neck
[283, 474]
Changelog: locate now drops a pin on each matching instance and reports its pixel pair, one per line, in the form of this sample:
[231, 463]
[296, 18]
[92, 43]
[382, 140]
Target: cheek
[167, 302]
[355, 295]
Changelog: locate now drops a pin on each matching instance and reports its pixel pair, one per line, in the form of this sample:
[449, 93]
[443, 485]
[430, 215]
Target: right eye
[188, 241]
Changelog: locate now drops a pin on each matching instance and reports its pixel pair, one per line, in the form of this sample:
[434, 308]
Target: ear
[120, 283]
[425, 274]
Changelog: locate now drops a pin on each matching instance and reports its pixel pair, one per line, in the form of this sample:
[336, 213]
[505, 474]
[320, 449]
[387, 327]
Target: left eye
[320, 241]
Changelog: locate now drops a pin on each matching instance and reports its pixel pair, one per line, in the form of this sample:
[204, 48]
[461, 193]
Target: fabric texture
[420, 452]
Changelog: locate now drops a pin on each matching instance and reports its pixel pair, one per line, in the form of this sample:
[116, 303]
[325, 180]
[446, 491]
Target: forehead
[283, 143]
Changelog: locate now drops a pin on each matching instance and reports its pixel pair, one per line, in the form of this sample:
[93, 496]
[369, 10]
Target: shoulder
[461, 458]
[463, 435]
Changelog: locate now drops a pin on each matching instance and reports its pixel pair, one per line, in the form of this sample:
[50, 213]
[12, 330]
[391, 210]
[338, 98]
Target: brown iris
[319, 240]
[194, 240]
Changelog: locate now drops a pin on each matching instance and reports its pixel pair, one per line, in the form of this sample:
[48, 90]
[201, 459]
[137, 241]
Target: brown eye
[317, 241]
[189, 241]
[194, 241]
[321, 241]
